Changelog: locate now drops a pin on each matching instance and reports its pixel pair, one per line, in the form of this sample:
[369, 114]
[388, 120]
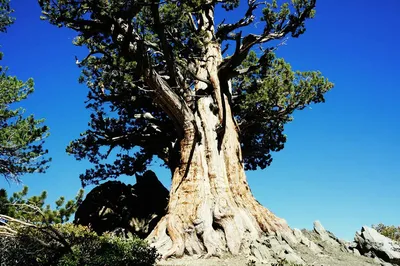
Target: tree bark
[211, 208]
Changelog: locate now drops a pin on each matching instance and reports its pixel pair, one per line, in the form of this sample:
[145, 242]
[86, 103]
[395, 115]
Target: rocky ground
[317, 247]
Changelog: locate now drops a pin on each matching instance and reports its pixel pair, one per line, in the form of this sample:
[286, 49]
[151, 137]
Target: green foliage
[275, 17]
[90, 249]
[76, 245]
[5, 15]
[390, 231]
[35, 210]
[21, 137]
[127, 40]
[31, 233]
[267, 100]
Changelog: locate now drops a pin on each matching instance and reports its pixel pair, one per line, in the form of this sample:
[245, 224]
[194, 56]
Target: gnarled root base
[214, 235]
[292, 249]
[172, 239]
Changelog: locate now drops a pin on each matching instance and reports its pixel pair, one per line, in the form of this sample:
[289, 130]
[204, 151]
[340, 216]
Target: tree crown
[135, 44]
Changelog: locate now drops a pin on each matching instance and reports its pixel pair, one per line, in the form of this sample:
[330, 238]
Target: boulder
[123, 209]
[327, 237]
[370, 242]
[356, 252]
[305, 241]
[319, 229]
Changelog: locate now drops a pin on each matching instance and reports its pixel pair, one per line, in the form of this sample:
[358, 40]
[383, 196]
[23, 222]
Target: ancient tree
[21, 136]
[184, 82]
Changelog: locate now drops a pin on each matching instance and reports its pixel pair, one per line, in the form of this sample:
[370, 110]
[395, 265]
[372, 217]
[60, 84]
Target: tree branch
[224, 30]
[170, 102]
[270, 33]
[160, 30]
[48, 226]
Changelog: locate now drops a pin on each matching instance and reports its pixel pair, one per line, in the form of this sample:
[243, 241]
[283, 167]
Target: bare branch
[8, 229]
[57, 235]
[10, 219]
[242, 48]
[192, 23]
[224, 30]
[6, 234]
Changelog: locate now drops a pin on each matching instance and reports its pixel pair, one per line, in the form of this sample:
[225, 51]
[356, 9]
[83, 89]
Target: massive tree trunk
[211, 208]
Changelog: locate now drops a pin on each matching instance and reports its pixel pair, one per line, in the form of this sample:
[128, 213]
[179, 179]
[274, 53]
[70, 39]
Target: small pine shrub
[67, 244]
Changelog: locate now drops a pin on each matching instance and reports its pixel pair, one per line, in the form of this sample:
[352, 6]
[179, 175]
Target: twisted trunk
[211, 208]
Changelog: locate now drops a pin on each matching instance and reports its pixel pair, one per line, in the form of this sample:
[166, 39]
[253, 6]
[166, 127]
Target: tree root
[214, 237]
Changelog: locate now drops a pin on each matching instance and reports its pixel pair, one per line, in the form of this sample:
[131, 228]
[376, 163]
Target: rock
[257, 254]
[280, 250]
[356, 252]
[327, 237]
[352, 245]
[319, 229]
[289, 238]
[314, 248]
[275, 246]
[260, 252]
[382, 262]
[369, 241]
[260, 248]
[117, 207]
[293, 258]
[323, 234]
[305, 241]
[252, 260]
[329, 240]
[298, 234]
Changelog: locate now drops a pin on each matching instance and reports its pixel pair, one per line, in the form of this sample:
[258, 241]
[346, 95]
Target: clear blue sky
[341, 162]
